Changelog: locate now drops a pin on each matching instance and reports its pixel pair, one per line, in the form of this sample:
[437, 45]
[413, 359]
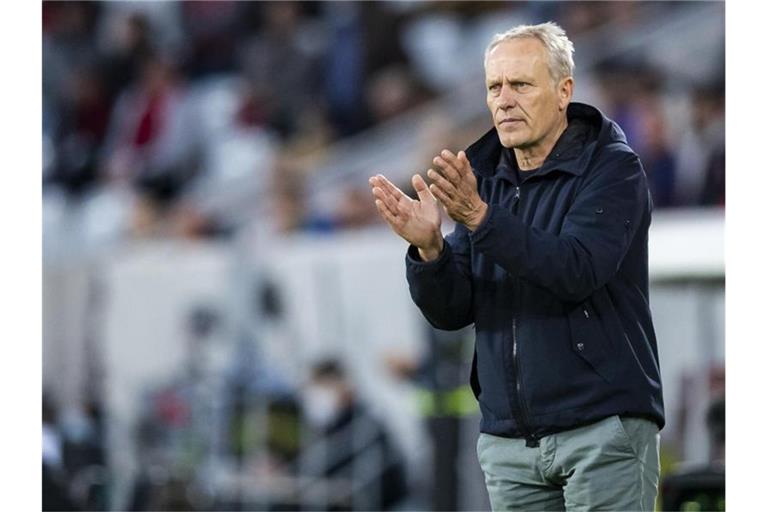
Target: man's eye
[494, 87]
[522, 86]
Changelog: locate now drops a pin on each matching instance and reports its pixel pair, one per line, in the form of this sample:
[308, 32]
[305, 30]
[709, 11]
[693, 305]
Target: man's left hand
[455, 185]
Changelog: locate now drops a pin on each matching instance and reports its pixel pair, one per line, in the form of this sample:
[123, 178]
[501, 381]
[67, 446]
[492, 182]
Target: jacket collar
[571, 152]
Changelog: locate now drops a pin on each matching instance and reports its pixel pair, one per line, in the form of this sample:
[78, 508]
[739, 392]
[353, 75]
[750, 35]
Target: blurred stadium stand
[208, 233]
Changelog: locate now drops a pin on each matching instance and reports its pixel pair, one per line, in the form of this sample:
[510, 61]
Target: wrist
[433, 250]
[478, 217]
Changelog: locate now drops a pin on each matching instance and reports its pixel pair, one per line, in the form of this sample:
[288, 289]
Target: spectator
[152, 143]
[701, 153]
[350, 444]
[55, 484]
[653, 147]
[280, 67]
[82, 125]
[130, 43]
[149, 134]
[212, 44]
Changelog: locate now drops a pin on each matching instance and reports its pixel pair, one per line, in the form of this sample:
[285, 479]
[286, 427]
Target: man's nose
[507, 97]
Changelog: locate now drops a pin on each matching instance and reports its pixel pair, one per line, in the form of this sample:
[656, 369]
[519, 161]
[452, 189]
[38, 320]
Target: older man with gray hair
[549, 261]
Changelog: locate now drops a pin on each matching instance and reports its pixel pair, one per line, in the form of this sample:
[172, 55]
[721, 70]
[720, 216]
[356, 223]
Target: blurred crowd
[146, 104]
[126, 87]
[313, 448]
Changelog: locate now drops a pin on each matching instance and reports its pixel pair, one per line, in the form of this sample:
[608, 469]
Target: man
[549, 260]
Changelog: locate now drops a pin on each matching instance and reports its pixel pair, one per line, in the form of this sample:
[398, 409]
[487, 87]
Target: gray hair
[552, 36]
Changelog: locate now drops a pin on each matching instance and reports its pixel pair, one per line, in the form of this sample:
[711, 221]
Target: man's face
[525, 103]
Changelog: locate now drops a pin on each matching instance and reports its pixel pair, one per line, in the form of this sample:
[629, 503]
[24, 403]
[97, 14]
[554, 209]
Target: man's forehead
[517, 55]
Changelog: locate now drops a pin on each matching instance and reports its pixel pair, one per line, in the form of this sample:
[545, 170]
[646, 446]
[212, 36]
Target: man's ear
[564, 92]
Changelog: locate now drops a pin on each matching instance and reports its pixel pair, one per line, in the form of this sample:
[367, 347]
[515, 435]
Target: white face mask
[321, 405]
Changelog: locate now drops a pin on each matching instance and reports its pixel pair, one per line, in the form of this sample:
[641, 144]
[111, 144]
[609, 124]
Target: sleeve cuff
[486, 225]
[414, 261]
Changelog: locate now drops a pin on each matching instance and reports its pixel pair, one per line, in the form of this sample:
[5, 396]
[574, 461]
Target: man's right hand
[416, 221]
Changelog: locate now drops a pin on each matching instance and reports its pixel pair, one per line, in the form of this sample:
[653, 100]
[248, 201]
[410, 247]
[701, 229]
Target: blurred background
[226, 322]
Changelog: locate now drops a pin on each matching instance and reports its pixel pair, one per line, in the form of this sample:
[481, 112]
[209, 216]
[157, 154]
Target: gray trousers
[609, 465]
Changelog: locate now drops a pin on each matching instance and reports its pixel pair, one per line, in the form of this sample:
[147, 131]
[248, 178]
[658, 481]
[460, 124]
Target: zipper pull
[515, 199]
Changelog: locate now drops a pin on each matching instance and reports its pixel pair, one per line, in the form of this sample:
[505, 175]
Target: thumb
[463, 157]
[421, 188]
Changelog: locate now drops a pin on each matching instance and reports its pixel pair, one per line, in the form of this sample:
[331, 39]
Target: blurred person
[67, 42]
[701, 487]
[67, 50]
[345, 67]
[130, 43]
[81, 129]
[549, 261]
[349, 443]
[716, 428]
[580, 18]
[85, 456]
[152, 146]
[701, 152]
[281, 65]
[653, 148]
[445, 401]
[173, 431]
[211, 41]
[149, 134]
[55, 484]
[391, 92]
[289, 211]
[162, 24]
[364, 38]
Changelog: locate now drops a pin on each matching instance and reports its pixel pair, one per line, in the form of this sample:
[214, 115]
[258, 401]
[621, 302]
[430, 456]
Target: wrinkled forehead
[523, 56]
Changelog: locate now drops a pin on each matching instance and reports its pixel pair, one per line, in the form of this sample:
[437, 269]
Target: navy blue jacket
[555, 281]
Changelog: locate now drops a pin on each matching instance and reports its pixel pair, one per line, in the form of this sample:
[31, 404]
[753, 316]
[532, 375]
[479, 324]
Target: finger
[390, 187]
[387, 215]
[458, 161]
[389, 201]
[441, 196]
[422, 190]
[466, 165]
[449, 157]
[377, 182]
[384, 211]
[398, 201]
[374, 182]
[447, 169]
[443, 183]
[385, 187]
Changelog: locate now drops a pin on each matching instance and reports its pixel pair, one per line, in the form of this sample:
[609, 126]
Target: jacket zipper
[531, 440]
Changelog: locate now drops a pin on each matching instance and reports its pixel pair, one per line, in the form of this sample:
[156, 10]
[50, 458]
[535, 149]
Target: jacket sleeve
[595, 235]
[442, 288]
